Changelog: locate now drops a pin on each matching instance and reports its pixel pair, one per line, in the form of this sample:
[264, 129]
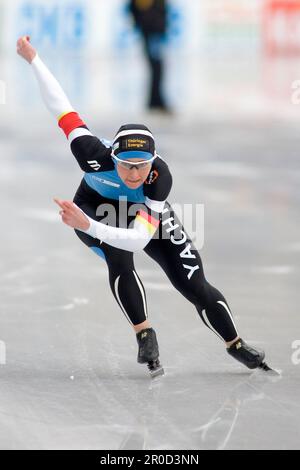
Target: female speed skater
[130, 170]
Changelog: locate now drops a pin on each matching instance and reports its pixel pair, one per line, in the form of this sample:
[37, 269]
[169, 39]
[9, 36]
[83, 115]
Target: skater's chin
[134, 184]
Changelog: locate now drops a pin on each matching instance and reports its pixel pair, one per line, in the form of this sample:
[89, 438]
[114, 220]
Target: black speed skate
[248, 356]
[148, 351]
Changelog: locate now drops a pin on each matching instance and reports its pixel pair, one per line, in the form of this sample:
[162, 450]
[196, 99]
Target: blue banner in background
[61, 24]
[87, 25]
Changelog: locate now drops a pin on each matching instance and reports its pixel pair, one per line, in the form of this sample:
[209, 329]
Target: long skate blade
[264, 366]
[157, 372]
[155, 368]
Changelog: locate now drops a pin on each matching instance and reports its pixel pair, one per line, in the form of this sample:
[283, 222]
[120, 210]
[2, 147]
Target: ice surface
[71, 379]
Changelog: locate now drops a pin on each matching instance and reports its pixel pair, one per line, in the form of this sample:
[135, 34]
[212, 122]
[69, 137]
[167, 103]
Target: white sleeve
[52, 93]
[156, 206]
[132, 239]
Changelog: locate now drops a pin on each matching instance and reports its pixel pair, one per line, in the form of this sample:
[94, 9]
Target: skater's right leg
[127, 288]
[128, 291]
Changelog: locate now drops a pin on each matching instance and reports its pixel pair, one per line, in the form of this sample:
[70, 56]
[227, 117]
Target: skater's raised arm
[52, 93]
[84, 145]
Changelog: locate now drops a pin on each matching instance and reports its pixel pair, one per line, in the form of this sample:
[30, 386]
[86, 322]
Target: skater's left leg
[180, 260]
[182, 263]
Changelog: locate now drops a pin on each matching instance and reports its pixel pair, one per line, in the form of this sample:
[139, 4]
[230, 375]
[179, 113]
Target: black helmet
[134, 141]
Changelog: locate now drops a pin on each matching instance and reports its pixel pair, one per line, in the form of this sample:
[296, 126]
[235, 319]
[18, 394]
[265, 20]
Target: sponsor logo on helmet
[136, 143]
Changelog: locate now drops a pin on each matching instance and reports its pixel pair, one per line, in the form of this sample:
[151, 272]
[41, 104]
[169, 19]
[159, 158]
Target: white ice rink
[68, 373]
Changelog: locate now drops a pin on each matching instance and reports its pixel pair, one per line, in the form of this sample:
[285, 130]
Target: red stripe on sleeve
[69, 122]
[149, 218]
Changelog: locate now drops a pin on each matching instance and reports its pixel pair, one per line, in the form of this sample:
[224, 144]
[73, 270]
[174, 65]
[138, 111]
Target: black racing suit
[172, 249]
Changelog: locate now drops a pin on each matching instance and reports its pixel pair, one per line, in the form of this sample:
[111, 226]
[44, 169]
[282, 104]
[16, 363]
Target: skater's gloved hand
[25, 49]
[72, 215]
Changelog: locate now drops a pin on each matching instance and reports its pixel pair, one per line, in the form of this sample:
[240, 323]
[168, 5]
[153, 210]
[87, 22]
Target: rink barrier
[281, 19]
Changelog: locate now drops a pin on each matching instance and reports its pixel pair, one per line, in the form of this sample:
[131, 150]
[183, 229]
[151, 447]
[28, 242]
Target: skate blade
[157, 372]
[155, 368]
[271, 372]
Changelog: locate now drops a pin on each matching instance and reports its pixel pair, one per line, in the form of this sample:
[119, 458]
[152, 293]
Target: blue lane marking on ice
[98, 251]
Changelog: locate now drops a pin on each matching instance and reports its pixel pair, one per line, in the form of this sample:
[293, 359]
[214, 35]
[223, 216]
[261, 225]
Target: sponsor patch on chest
[103, 181]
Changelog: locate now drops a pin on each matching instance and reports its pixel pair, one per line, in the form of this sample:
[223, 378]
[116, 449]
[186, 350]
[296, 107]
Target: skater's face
[136, 175]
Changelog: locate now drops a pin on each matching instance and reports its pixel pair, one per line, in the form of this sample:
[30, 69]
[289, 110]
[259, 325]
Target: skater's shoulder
[159, 182]
[159, 173]
[160, 162]
[89, 144]
[160, 168]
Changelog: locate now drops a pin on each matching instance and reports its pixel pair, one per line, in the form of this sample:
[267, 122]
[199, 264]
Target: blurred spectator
[150, 17]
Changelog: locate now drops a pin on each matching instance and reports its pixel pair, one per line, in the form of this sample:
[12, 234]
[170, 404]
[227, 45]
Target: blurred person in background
[130, 168]
[150, 17]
